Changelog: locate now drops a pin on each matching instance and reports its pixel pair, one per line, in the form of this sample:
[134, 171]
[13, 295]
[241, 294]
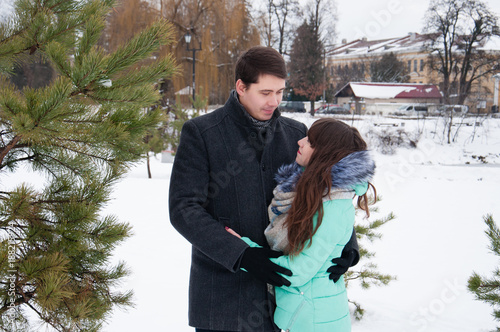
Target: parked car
[292, 106]
[331, 109]
[413, 108]
[455, 108]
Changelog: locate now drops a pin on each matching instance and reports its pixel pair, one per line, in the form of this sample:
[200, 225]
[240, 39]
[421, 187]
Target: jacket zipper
[295, 315]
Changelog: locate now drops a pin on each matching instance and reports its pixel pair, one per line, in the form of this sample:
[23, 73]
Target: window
[415, 65]
[409, 65]
[421, 65]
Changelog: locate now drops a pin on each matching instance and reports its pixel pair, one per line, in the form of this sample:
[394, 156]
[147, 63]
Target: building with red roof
[412, 51]
[375, 97]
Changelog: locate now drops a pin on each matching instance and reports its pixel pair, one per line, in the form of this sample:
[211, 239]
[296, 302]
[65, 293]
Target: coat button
[263, 168]
[301, 293]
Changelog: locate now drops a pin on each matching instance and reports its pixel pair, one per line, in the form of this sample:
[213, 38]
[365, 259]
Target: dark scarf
[255, 123]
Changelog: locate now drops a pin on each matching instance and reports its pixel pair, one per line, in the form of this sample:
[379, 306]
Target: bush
[387, 140]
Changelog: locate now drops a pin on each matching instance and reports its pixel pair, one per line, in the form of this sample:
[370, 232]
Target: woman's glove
[342, 264]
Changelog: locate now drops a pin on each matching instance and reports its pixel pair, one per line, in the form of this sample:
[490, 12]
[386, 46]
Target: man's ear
[240, 87]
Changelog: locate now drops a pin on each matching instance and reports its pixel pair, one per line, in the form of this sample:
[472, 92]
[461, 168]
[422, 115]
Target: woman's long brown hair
[331, 140]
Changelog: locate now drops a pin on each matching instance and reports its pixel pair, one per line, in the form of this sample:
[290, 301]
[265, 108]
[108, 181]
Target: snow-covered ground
[438, 192]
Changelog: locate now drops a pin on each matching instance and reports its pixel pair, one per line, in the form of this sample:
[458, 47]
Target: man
[223, 177]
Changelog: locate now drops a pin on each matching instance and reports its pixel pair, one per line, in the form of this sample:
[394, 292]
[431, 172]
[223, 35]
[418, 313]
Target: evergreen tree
[389, 69]
[488, 289]
[307, 77]
[167, 135]
[367, 274]
[81, 132]
[178, 115]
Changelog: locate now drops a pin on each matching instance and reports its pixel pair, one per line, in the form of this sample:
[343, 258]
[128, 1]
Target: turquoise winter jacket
[313, 302]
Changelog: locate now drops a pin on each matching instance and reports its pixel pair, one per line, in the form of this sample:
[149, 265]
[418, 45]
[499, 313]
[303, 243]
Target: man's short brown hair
[257, 61]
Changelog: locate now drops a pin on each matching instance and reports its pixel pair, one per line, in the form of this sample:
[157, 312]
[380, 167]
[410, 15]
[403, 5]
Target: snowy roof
[389, 90]
[187, 91]
[493, 44]
[411, 42]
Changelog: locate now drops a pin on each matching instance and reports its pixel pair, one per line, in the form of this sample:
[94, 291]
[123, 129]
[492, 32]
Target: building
[411, 49]
[386, 98]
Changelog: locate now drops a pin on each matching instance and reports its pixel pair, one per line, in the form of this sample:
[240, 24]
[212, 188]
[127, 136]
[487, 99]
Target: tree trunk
[148, 166]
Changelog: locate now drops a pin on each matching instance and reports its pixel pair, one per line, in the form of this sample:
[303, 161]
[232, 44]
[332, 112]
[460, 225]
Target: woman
[312, 216]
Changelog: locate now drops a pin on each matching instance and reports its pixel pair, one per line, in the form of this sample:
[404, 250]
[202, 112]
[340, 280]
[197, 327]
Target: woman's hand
[233, 232]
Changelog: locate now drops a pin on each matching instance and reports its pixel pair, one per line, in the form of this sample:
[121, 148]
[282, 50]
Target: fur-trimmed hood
[357, 167]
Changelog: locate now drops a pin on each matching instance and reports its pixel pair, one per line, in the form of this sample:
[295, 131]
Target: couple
[223, 178]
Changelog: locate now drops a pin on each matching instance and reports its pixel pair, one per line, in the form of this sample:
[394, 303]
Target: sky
[365, 18]
[384, 18]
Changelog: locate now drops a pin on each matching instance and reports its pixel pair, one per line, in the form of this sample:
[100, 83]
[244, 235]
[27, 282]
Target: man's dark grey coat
[223, 175]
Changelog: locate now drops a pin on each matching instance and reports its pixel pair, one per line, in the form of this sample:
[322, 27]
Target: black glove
[256, 261]
[342, 264]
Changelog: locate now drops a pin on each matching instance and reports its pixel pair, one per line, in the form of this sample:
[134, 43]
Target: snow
[438, 192]
[492, 44]
[435, 243]
[379, 92]
[391, 90]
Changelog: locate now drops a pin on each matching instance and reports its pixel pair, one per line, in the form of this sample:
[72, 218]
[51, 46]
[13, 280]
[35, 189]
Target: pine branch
[75, 130]
[10, 146]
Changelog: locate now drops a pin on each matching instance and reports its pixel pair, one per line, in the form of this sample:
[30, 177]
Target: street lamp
[188, 37]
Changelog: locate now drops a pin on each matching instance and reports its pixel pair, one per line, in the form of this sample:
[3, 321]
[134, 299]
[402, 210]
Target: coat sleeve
[353, 245]
[188, 197]
[335, 230]
[360, 189]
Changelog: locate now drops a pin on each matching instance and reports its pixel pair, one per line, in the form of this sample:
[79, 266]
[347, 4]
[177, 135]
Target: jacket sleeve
[353, 245]
[188, 197]
[360, 189]
[334, 230]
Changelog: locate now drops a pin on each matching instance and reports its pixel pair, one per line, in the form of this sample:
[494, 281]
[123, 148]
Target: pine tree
[367, 273]
[178, 115]
[81, 133]
[307, 77]
[389, 69]
[488, 289]
[167, 135]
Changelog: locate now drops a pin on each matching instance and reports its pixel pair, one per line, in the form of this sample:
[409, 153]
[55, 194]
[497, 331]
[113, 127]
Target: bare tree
[323, 15]
[223, 29]
[461, 28]
[283, 9]
[264, 19]
[343, 74]
[277, 23]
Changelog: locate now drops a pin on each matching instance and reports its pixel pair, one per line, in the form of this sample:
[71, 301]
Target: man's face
[261, 99]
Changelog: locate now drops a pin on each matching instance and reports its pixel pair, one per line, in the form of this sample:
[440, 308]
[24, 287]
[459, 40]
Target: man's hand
[342, 264]
[256, 261]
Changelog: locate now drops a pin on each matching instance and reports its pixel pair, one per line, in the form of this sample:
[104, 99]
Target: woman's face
[304, 153]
